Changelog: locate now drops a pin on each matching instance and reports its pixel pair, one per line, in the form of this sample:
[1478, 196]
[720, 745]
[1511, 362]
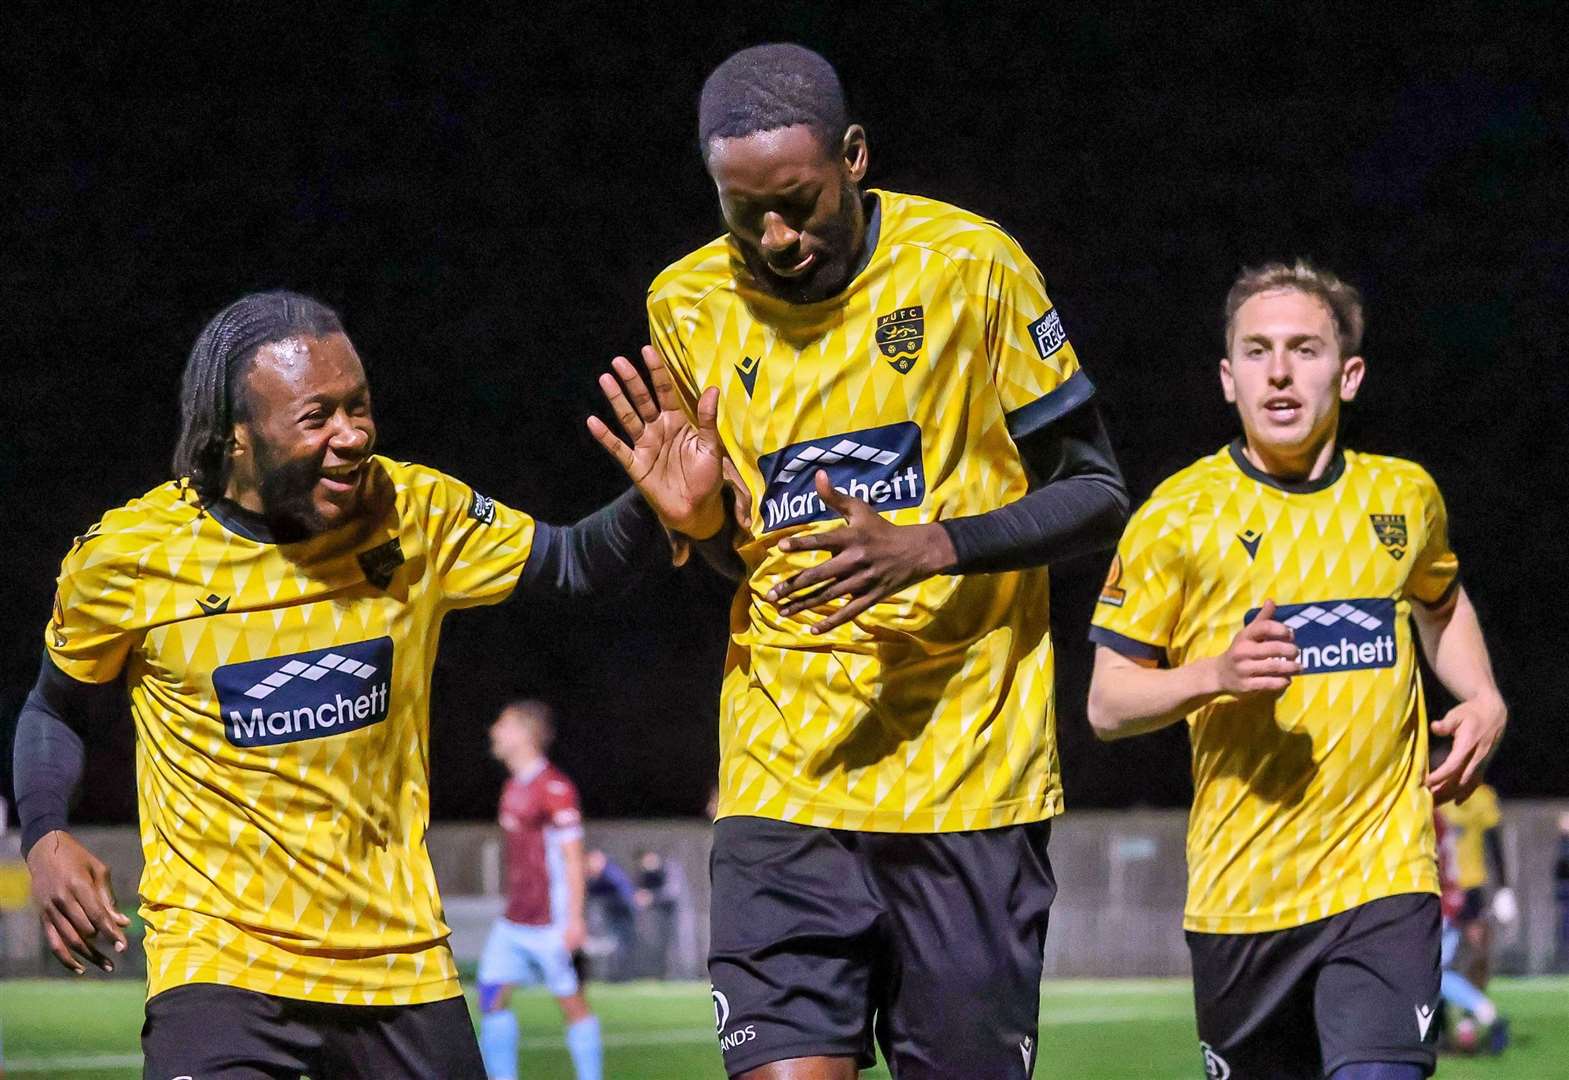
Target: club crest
[899, 336]
[1391, 530]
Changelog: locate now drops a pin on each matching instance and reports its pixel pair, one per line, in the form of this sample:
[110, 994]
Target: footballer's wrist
[935, 551]
[706, 521]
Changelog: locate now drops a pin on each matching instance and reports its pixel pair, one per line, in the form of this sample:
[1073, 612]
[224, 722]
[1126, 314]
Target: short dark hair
[210, 390]
[1341, 298]
[768, 87]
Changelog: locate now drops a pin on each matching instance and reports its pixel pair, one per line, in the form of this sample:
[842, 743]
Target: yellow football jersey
[933, 710]
[1313, 803]
[1469, 822]
[281, 696]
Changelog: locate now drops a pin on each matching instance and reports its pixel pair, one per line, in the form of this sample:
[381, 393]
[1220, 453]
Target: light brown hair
[1342, 299]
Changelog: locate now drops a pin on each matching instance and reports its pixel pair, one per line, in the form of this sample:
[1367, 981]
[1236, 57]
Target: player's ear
[1351, 374]
[853, 150]
[1227, 386]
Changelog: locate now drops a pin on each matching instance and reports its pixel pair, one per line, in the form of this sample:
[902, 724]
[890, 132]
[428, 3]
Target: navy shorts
[1358, 986]
[216, 1032]
[929, 944]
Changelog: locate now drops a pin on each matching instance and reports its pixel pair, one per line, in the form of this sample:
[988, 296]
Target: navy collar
[1337, 469]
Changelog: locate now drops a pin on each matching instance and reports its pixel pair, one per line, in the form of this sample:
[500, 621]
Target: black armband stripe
[1131, 647]
[1030, 418]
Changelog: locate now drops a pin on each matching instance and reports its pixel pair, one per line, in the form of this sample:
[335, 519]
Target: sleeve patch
[1048, 334]
[482, 509]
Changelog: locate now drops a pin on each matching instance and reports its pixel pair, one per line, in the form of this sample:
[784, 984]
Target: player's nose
[778, 236]
[349, 436]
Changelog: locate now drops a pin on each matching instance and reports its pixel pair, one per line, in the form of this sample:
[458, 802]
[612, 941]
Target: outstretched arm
[1452, 641]
[1132, 697]
[70, 886]
[599, 555]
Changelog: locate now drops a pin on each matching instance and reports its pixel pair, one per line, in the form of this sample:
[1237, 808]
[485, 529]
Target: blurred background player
[1483, 875]
[273, 613]
[534, 942]
[1267, 593]
[611, 911]
[897, 393]
[1469, 1014]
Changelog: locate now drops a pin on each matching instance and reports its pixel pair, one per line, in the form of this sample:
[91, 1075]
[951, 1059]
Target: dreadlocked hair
[768, 87]
[212, 395]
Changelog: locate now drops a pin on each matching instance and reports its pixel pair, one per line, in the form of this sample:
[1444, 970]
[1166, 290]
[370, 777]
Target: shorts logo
[483, 508]
[1391, 530]
[1048, 333]
[899, 335]
[737, 1037]
[881, 466]
[1215, 1067]
[308, 695]
[1340, 635]
[1026, 1047]
[1424, 1020]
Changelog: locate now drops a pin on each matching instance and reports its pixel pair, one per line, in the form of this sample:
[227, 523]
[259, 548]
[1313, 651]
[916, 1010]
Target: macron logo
[1340, 635]
[307, 695]
[881, 466]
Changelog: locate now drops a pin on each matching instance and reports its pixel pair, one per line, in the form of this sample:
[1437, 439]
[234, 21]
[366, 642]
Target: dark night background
[486, 196]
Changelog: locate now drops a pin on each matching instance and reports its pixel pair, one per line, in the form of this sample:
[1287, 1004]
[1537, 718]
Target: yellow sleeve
[1136, 613]
[95, 623]
[1034, 366]
[1436, 569]
[477, 545]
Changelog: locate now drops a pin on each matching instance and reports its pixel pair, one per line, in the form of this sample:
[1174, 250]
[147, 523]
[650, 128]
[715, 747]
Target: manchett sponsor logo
[1340, 635]
[881, 466]
[307, 695]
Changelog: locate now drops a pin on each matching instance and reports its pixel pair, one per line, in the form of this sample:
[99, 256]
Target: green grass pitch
[1090, 1030]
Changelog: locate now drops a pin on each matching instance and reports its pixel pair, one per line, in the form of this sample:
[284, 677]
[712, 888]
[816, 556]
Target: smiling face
[1287, 378]
[793, 205]
[304, 435]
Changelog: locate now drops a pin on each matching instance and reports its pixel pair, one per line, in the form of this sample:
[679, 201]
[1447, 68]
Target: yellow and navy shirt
[933, 710]
[1468, 822]
[281, 699]
[1311, 804]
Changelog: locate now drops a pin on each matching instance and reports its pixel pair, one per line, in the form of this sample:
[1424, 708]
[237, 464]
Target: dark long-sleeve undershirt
[1077, 504]
[604, 553]
[60, 713]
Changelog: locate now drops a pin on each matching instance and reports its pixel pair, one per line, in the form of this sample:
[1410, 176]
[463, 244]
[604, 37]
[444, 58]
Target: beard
[837, 257]
[287, 491]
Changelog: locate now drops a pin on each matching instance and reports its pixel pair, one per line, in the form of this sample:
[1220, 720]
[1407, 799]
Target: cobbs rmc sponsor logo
[881, 466]
[1340, 635]
[307, 695]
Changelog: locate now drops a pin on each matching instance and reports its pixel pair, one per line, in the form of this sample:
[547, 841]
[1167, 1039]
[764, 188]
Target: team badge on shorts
[899, 336]
[1391, 530]
[1215, 1067]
